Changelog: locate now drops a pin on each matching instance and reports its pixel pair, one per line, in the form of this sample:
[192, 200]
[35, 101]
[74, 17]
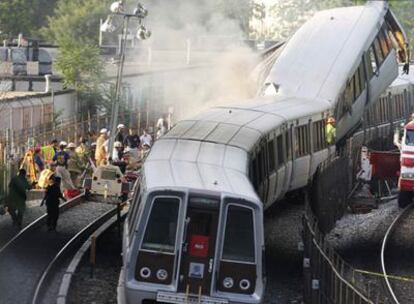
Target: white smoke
[216, 44]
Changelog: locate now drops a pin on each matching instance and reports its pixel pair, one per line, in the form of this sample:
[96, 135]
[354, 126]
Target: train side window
[255, 173]
[378, 51]
[357, 85]
[302, 141]
[362, 77]
[161, 230]
[280, 153]
[383, 43]
[319, 138]
[349, 95]
[271, 155]
[134, 215]
[387, 35]
[239, 235]
[288, 141]
[368, 64]
[373, 59]
[262, 165]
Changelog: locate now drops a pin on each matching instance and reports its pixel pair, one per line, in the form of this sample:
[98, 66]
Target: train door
[197, 258]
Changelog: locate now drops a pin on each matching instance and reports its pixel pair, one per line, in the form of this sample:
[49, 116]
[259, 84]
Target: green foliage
[75, 28]
[24, 16]
[81, 65]
[76, 20]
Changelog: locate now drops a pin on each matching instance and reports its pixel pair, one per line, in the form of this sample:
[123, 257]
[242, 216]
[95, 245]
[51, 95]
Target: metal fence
[328, 278]
[70, 130]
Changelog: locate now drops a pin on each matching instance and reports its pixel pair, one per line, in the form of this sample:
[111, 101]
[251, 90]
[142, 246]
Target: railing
[70, 130]
[327, 277]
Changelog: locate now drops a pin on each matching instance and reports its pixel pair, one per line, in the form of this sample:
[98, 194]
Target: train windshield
[162, 225]
[409, 138]
[239, 235]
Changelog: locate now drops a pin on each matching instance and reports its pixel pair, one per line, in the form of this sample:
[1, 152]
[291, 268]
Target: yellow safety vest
[330, 134]
[48, 153]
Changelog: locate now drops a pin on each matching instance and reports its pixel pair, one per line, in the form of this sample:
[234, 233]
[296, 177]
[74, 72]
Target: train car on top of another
[194, 233]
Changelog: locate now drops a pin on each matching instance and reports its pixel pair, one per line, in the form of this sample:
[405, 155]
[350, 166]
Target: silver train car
[194, 233]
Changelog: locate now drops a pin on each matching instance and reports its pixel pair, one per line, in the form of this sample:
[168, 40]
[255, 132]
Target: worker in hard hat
[100, 153]
[75, 165]
[330, 131]
[120, 136]
[118, 156]
[61, 159]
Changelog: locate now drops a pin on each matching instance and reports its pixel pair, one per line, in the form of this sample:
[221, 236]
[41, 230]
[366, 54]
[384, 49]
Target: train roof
[200, 165]
[242, 125]
[334, 41]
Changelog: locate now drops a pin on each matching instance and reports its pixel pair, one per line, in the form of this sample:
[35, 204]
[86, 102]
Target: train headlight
[145, 272]
[244, 284]
[162, 274]
[228, 283]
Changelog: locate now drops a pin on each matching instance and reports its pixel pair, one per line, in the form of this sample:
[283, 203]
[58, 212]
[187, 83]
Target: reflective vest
[330, 134]
[48, 153]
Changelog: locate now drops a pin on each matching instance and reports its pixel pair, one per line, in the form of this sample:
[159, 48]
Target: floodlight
[143, 33]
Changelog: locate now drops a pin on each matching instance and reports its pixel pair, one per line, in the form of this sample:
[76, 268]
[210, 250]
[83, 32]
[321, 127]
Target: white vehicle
[194, 233]
[107, 181]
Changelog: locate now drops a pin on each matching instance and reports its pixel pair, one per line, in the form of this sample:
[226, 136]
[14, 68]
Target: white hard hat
[121, 126]
[118, 144]
[71, 145]
[103, 131]
[63, 143]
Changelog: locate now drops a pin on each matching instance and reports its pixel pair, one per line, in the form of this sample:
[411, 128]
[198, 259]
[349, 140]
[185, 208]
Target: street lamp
[117, 9]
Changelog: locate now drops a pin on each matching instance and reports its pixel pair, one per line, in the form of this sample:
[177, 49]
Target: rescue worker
[16, 200]
[52, 200]
[82, 151]
[100, 153]
[330, 131]
[132, 142]
[75, 166]
[61, 160]
[120, 133]
[49, 151]
[38, 159]
[146, 139]
[162, 126]
[118, 156]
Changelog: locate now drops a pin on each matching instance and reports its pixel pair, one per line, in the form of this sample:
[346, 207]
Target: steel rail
[384, 246]
[74, 264]
[68, 246]
[40, 220]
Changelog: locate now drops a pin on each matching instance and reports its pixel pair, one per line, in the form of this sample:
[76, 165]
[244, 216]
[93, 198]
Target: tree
[24, 16]
[75, 28]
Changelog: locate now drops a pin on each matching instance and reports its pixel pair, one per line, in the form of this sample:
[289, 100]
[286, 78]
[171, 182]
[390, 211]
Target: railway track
[30, 259]
[397, 257]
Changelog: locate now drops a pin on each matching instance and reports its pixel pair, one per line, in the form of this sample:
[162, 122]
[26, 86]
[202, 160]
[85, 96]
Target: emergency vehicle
[406, 180]
[107, 181]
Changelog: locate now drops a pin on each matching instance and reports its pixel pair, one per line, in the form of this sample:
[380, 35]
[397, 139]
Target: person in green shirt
[330, 131]
[16, 201]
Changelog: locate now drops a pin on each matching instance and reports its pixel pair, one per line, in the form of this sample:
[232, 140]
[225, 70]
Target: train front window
[409, 138]
[161, 229]
[239, 235]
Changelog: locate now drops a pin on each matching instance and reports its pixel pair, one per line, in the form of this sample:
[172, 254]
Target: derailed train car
[194, 233]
